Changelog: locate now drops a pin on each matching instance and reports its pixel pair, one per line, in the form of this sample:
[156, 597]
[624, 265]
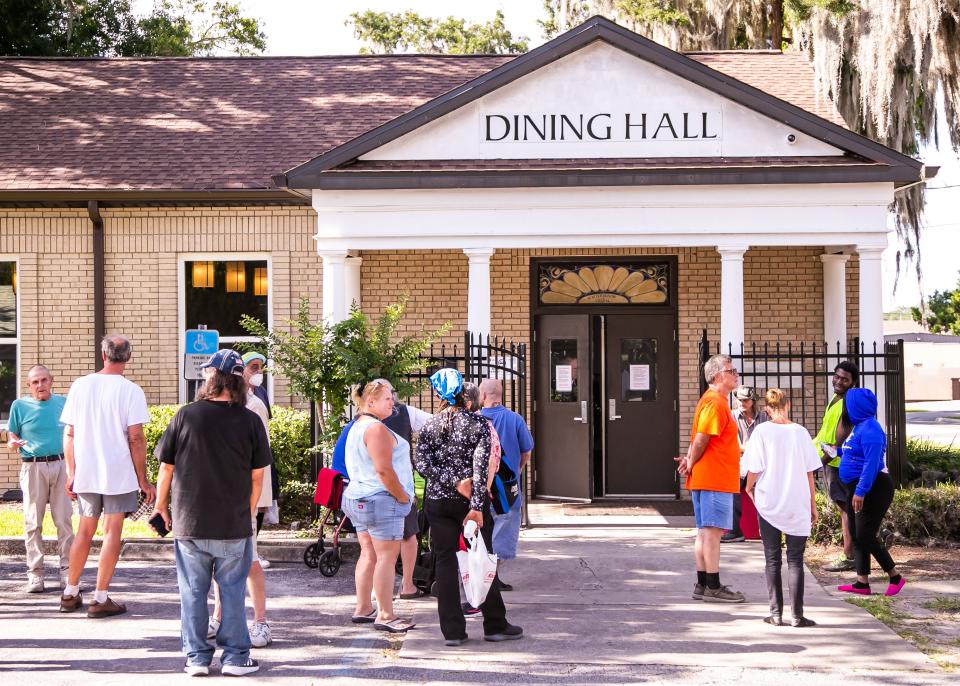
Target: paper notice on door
[564, 378]
[639, 377]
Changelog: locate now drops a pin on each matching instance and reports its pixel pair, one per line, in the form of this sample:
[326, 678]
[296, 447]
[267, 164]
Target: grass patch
[880, 607]
[924, 454]
[11, 524]
[943, 605]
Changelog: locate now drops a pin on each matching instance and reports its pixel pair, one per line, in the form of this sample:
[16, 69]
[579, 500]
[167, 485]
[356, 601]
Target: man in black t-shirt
[212, 458]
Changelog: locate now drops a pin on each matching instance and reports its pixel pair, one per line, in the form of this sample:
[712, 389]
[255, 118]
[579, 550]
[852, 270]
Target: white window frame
[182, 259]
[16, 338]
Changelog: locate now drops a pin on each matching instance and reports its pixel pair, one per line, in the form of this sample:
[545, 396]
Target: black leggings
[774, 559]
[865, 525]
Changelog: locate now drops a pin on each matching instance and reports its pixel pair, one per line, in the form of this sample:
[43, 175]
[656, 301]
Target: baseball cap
[745, 393]
[251, 356]
[226, 361]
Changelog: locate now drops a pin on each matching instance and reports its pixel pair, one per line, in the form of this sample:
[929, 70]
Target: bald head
[116, 348]
[491, 392]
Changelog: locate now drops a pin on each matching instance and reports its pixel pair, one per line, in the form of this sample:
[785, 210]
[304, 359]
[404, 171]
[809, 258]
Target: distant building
[931, 361]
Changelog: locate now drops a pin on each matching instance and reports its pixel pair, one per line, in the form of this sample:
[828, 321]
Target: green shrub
[916, 516]
[160, 416]
[296, 502]
[925, 455]
[290, 442]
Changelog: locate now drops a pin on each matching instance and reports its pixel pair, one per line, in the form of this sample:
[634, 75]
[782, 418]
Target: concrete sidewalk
[615, 592]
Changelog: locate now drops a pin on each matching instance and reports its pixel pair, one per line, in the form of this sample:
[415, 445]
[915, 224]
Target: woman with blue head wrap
[453, 453]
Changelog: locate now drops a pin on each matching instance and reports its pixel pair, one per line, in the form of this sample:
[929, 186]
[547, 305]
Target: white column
[871, 297]
[835, 300]
[352, 290]
[478, 290]
[334, 285]
[731, 296]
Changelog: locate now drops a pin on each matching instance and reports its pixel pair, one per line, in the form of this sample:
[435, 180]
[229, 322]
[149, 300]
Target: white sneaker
[34, 584]
[248, 667]
[260, 636]
[264, 563]
[196, 670]
[213, 626]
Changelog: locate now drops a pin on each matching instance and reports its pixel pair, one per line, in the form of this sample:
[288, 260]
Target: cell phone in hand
[160, 526]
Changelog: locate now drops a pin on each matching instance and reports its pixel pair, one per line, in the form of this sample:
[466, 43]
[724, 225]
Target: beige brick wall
[55, 283]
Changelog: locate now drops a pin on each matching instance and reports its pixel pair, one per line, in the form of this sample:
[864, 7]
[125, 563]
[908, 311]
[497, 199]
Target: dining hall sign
[555, 127]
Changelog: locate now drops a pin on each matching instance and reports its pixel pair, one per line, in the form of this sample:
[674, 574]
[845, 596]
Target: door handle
[613, 410]
[583, 412]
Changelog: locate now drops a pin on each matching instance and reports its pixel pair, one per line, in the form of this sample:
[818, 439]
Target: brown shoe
[108, 608]
[71, 603]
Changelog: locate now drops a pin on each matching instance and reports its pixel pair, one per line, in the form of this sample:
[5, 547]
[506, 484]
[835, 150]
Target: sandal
[365, 619]
[397, 625]
[412, 596]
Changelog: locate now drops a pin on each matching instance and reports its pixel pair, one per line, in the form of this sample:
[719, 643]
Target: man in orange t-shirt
[712, 469]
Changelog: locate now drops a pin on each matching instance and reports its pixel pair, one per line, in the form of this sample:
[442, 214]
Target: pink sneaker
[850, 588]
[894, 589]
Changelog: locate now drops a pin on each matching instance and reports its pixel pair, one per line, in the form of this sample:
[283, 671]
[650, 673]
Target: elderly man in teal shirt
[35, 430]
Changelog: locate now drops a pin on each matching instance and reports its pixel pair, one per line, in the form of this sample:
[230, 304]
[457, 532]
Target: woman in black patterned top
[453, 454]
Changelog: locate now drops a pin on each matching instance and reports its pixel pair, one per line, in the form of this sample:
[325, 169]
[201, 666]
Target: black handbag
[505, 489]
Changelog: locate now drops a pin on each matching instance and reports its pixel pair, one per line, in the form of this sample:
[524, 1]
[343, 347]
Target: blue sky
[316, 27]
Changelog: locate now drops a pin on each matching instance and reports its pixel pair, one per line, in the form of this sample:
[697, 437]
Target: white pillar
[334, 285]
[835, 300]
[731, 297]
[871, 297]
[478, 290]
[352, 290]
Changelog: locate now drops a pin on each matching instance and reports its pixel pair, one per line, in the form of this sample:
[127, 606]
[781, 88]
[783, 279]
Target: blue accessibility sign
[201, 341]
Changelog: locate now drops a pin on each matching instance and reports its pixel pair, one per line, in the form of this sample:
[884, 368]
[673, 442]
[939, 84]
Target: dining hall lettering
[602, 126]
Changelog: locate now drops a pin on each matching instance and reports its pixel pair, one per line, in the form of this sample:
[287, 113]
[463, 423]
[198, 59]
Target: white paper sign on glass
[639, 377]
[564, 378]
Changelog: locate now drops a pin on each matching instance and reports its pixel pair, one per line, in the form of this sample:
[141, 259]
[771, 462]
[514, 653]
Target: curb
[162, 548]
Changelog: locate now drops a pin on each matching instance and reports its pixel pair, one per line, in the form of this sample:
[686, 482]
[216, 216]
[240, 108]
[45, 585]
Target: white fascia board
[827, 214]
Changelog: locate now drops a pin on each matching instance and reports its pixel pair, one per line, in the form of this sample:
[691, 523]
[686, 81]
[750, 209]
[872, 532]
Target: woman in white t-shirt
[780, 459]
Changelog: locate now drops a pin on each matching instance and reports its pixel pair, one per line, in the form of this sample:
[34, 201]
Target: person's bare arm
[379, 444]
[164, 481]
[256, 488]
[137, 441]
[814, 515]
[14, 442]
[68, 457]
[525, 459]
[751, 483]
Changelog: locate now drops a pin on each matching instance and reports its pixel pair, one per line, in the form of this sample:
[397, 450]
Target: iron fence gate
[804, 371]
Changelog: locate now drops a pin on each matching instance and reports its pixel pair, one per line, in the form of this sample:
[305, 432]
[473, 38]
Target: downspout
[99, 307]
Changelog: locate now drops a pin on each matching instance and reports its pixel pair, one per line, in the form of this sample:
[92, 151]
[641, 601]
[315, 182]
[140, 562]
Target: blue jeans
[506, 531]
[198, 562]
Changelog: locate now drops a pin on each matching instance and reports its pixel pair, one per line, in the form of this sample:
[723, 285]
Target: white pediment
[601, 102]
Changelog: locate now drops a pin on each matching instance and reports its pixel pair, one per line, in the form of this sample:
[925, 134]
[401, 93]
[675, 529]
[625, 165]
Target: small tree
[370, 352]
[942, 312]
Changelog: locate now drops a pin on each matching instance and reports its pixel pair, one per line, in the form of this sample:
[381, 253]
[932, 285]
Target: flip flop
[365, 619]
[397, 625]
[412, 596]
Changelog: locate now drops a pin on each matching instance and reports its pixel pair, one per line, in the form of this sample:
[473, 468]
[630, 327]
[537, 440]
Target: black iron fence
[805, 371]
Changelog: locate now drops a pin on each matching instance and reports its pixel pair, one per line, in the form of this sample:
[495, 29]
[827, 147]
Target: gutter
[99, 306]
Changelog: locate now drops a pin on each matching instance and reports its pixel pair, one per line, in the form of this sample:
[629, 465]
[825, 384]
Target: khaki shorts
[95, 504]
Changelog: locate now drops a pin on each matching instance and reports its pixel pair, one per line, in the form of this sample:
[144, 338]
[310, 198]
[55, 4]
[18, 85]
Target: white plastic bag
[478, 568]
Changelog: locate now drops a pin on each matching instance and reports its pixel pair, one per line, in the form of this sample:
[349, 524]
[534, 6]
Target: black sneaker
[511, 633]
[455, 642]
[469, 610]
[505, 586]
[248, 667]
[698, 590]
[731, 537]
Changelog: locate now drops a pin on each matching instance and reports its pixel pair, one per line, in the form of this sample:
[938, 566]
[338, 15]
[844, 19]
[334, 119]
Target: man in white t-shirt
[106, 455]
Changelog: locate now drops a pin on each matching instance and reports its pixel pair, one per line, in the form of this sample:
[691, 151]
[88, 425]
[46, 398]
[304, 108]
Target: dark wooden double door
[606, 405]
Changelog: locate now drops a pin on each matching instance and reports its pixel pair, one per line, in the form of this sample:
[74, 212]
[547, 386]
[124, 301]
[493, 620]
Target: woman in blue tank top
[377, 499]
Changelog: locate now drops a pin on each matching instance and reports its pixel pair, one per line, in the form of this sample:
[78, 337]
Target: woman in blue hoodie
[864, 474]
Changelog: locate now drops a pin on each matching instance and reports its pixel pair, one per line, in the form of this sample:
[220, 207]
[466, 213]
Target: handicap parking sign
[198, 346]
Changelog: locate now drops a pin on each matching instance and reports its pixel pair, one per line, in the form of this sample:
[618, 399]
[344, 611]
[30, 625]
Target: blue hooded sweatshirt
[863, 451]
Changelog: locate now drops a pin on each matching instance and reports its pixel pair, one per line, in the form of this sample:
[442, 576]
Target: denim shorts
[713, 509]
[379, 515]
[506, 531]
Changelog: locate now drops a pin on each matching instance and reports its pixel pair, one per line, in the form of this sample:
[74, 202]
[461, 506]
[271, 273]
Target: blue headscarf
[447, 383]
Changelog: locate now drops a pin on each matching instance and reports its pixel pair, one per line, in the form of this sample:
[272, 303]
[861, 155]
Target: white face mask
[256, 380]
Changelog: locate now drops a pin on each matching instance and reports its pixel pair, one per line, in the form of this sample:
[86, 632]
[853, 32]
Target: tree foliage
[883, 62]
[109, 28]
[942, 313]
[388, 32]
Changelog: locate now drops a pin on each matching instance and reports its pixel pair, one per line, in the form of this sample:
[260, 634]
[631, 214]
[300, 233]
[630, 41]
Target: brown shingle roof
[231, 123]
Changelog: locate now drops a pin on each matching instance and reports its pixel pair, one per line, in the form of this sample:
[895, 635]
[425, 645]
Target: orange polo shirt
[719, 467]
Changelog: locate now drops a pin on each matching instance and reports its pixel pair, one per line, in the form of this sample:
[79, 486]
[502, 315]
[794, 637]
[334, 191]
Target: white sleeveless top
[364, 481]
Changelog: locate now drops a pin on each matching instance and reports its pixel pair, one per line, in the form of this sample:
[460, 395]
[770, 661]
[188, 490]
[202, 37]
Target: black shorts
[835, 487]
[411, 523]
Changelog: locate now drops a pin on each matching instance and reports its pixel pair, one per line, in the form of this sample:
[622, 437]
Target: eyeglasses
[730, 371]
